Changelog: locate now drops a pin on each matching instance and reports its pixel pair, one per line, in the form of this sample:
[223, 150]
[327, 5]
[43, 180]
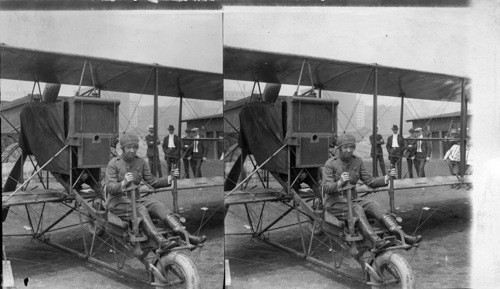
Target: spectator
[410, 151]
[197, 153]
[377, 153]
[185, 148]
[171, 146]
[395, 145]
[152, 147]
[422, 154]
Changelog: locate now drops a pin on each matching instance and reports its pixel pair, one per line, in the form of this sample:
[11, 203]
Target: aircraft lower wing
[335, 75]
[273, 195]
[107, 74]
[37, 196]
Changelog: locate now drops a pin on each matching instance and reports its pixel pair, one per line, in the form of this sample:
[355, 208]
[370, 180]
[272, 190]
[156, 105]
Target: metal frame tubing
[315, 261]
[463, 128]
[155, 124]
[374, 122]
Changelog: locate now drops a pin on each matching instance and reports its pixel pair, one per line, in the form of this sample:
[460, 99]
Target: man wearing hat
[152, 146]
[395, 146]
[377, 152]
[171, 147]
[186, 144]
[346, 168]
[422, 153]
[410, 151]
[123, 177]
[197, 153]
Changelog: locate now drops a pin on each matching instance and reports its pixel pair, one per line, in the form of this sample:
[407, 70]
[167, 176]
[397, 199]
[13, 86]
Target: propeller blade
[271, 92]
[234, 175]
[51, 92]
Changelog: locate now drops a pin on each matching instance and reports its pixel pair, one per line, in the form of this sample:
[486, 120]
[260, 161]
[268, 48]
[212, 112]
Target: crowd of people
[415, 149]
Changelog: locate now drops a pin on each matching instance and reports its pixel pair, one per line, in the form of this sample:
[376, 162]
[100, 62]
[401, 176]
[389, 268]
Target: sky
[179, 38]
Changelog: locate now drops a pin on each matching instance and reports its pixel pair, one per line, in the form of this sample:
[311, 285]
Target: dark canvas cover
[43, 135]
[261, 134]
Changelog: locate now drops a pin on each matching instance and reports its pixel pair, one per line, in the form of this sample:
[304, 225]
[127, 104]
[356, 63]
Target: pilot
[346, 168]
[123, 175]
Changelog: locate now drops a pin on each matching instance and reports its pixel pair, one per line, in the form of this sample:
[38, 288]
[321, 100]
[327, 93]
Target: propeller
[271, 92]
[51, 92]
[234, 174]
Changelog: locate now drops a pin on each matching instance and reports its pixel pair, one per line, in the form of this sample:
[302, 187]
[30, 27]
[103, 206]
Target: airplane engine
[310, 124]
[86, 125]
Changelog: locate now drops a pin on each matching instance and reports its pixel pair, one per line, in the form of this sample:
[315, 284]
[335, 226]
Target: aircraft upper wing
[111, 75]
[334, 75]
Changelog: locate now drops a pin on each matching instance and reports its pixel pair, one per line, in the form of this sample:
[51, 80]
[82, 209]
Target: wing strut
[94, 89]
[175, 195]
[155, 125]
[310, 91]
[374, 124]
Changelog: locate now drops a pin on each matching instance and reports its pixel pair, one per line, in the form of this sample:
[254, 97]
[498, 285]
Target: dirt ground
[49, 267]
[441, 215]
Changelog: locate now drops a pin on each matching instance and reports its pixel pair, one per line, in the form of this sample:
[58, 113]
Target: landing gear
[178, 270]
[393, 271]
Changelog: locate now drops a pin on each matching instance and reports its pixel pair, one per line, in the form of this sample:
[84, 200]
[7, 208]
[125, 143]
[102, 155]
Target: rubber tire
[185, 264]
[400, 264]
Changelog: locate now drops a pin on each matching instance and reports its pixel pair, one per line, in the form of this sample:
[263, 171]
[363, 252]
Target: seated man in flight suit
[346, 168]
[125, 172]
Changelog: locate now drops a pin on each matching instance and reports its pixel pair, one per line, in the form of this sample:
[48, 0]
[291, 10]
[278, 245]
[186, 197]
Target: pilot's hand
[175, 172]
[390, 173]
[427, 159]
[189, 158]
[344, 177]
[129, 177]
[204, 158]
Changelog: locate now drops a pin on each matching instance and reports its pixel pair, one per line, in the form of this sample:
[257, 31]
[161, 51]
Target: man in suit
[395, 146]
[185, 148]
[422, 153]
[171, 146]
[377, 152]
[409, 153]
[152, 146]
[197, 153]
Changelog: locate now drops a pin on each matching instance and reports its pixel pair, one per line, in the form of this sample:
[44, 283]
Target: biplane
[289, 137]
[70, 138]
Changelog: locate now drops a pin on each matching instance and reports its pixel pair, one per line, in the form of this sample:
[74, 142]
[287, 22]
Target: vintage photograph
[250, 144]
[111, 148]
[352, 147]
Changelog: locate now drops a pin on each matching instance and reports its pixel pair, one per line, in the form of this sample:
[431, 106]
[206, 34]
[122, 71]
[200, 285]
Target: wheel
[394, 270]
[179, 270]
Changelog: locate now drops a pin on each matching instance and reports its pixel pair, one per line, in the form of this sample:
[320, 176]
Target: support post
[155, 125]
[400, 167]
[175, 194]
[374, 123]
[463, 130]
[81, 78]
